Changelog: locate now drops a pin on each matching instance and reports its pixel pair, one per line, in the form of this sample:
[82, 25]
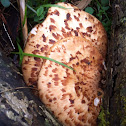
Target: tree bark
[114, 102]
[18, 106]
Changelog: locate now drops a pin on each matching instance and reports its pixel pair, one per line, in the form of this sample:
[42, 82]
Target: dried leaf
[83, 4]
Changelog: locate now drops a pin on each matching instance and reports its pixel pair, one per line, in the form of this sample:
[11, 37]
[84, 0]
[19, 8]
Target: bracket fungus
[78, 40]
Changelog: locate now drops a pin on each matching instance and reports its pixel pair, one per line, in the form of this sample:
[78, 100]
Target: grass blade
[55, 5]
[47, 58]
[43, 57]
[20, 53]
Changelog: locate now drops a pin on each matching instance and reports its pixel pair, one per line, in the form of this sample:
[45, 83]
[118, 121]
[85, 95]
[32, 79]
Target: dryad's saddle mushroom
[78, 40]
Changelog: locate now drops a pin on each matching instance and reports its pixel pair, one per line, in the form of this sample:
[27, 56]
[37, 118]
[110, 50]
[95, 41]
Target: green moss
[123, 21]
[123, 120]
[122, 99]
[102, 118]
[47, 123]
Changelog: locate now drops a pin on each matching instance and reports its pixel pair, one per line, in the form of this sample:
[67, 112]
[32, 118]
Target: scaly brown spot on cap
[74, 91]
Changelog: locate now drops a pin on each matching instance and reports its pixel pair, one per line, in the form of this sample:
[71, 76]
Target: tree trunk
[115, 93]
[18, 106]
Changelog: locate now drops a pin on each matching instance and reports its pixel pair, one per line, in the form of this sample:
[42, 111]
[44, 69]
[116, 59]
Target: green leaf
[89, 10]
[36, 19]
[40, 11]
[5, 3]
[102, 9]
[30, 14]
[99, 16]
[107, 23]
[41, 17]
[98, 7]
[101, 12]
[105, 2]
[105, 8]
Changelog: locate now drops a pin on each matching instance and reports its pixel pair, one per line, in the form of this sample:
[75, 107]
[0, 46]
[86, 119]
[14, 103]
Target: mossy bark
[18, 106]
[115, 91]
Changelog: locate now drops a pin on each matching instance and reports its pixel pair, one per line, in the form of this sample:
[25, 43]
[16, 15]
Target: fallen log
[18, 105]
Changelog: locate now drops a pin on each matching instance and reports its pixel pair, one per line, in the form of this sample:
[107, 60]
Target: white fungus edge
[96, 101]
[34, 31]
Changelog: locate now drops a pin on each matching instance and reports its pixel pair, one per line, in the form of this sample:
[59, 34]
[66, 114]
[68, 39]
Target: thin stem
[43, 57]
[47, 58]
[31, 9]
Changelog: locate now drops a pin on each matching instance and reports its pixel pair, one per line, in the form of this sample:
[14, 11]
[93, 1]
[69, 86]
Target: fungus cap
[60, 23]
[72, 95]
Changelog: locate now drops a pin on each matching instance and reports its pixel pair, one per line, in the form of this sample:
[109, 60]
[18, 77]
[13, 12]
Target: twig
[17, 89]
[83, 4]
[8, 36]
[22, 14]
[31, 9]
[7, 30]
[14, 7]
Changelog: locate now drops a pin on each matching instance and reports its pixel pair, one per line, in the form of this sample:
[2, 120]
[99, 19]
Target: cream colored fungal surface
[79, 40]
[60, 23]
[72, 95]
